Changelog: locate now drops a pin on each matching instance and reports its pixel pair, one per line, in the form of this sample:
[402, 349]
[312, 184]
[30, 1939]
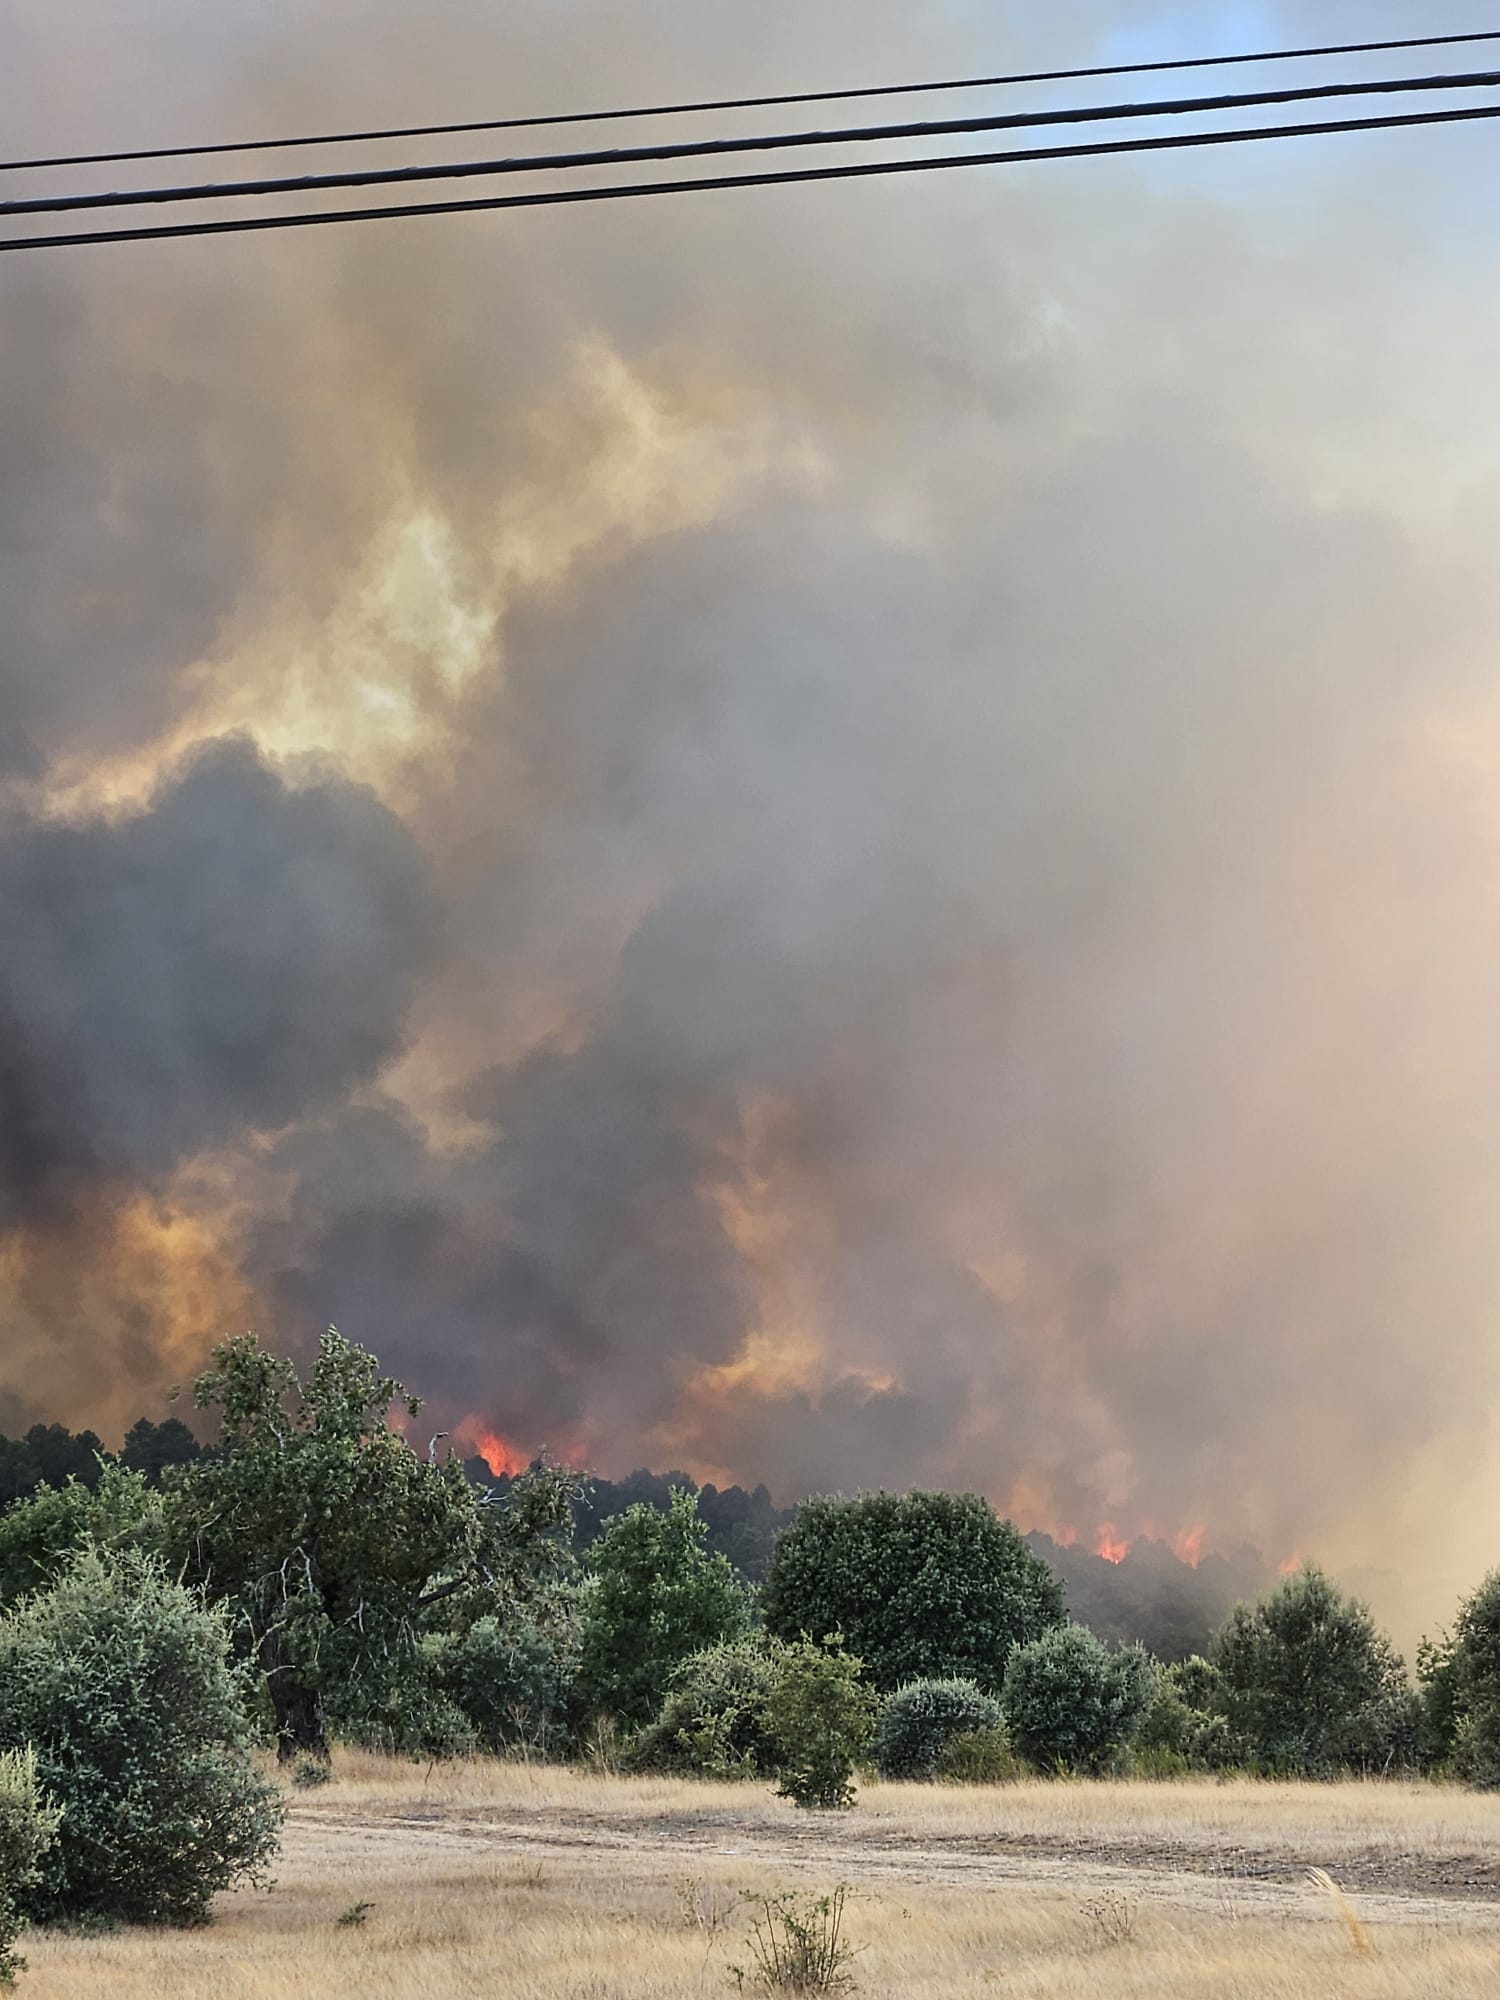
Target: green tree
[1461, 1688]
[150, 1448]
[28, 1827]
[819, 1717]
[48, 1455]
[1070, 1702]
[1442, 1698]
[655, 1596]
[120, 1680]
[41, 1534]
[339, 1547]
[1312, 1685]
[925, 1586]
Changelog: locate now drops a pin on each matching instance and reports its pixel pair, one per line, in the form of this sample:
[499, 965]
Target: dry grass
[540, 1884]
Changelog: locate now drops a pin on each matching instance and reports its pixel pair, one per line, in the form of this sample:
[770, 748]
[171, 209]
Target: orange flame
[1111, 1544]
[1188, 1545]
[1292, 1564]
[476, 1436]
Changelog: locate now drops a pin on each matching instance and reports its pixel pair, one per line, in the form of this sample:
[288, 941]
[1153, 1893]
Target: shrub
[401, 1714]
[28, 1827]
[1184, 1727]
[512, 1680]
[656, 1598]
[1071, 1703]
[797, 1944]
[819, 1716]
[1311, 1685]
[120, 1679]
[923, 1586]
[979, 1757]
[918, 1722]
[712, 1723]
[115, 1510]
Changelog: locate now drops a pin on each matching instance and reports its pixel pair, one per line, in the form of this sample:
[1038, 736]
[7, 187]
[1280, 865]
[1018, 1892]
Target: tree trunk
[301, 1730]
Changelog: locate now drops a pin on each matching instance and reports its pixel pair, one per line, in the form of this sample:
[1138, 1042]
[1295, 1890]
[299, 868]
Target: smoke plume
[843, 835]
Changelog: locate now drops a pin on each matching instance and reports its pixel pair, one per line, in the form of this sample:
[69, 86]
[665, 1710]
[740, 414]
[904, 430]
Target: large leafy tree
[923, 1586]
[339, 1546]
[1311, 1683]
[656, 1597]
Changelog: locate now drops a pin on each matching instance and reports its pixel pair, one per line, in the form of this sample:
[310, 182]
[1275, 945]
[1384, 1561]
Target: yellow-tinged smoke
[842, 837]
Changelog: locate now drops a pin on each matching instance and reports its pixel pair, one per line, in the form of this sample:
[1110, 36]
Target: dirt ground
[1394, 1884]
[490, 1880]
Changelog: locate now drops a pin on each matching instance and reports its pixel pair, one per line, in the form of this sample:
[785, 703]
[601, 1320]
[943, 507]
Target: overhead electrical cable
[765, 103]
[765, 142]
[791, 176]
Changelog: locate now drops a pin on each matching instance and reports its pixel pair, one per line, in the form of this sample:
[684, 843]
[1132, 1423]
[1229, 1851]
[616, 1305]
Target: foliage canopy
[923, 1586]
[336, 1543]
[656, 1597]
[1311, 1684]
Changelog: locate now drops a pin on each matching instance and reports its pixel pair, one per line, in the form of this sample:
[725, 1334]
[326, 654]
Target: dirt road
[1414, 1885]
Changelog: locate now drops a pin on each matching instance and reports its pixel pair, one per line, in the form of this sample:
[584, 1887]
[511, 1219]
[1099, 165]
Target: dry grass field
[502, 1880]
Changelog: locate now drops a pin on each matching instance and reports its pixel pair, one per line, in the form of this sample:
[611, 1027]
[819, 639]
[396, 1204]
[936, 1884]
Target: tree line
[313, 1577]
[1151, 1597]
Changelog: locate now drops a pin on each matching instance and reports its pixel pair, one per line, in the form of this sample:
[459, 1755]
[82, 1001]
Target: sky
[845, 836]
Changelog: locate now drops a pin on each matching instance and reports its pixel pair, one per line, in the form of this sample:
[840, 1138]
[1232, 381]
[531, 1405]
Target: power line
[750, 103]
[857, 170]
[756, 143]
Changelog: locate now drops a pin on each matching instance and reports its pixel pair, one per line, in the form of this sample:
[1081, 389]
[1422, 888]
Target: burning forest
[845, 844]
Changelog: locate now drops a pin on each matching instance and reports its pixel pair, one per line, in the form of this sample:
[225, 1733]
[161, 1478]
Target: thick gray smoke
[897, 878]
[239, 955]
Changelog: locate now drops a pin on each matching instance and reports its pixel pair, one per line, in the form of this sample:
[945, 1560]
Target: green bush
[28, 1827]
[1072, 1704]
[116, 1510]
[712, 1723]
[656, 1597]
[819, 1717]
[512, 1680]
[979, 1757]
[403, 1714]
[120, 1679]
[1184, 1728]
[1312, 1686]
[922, 1585]
[918, 1722]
